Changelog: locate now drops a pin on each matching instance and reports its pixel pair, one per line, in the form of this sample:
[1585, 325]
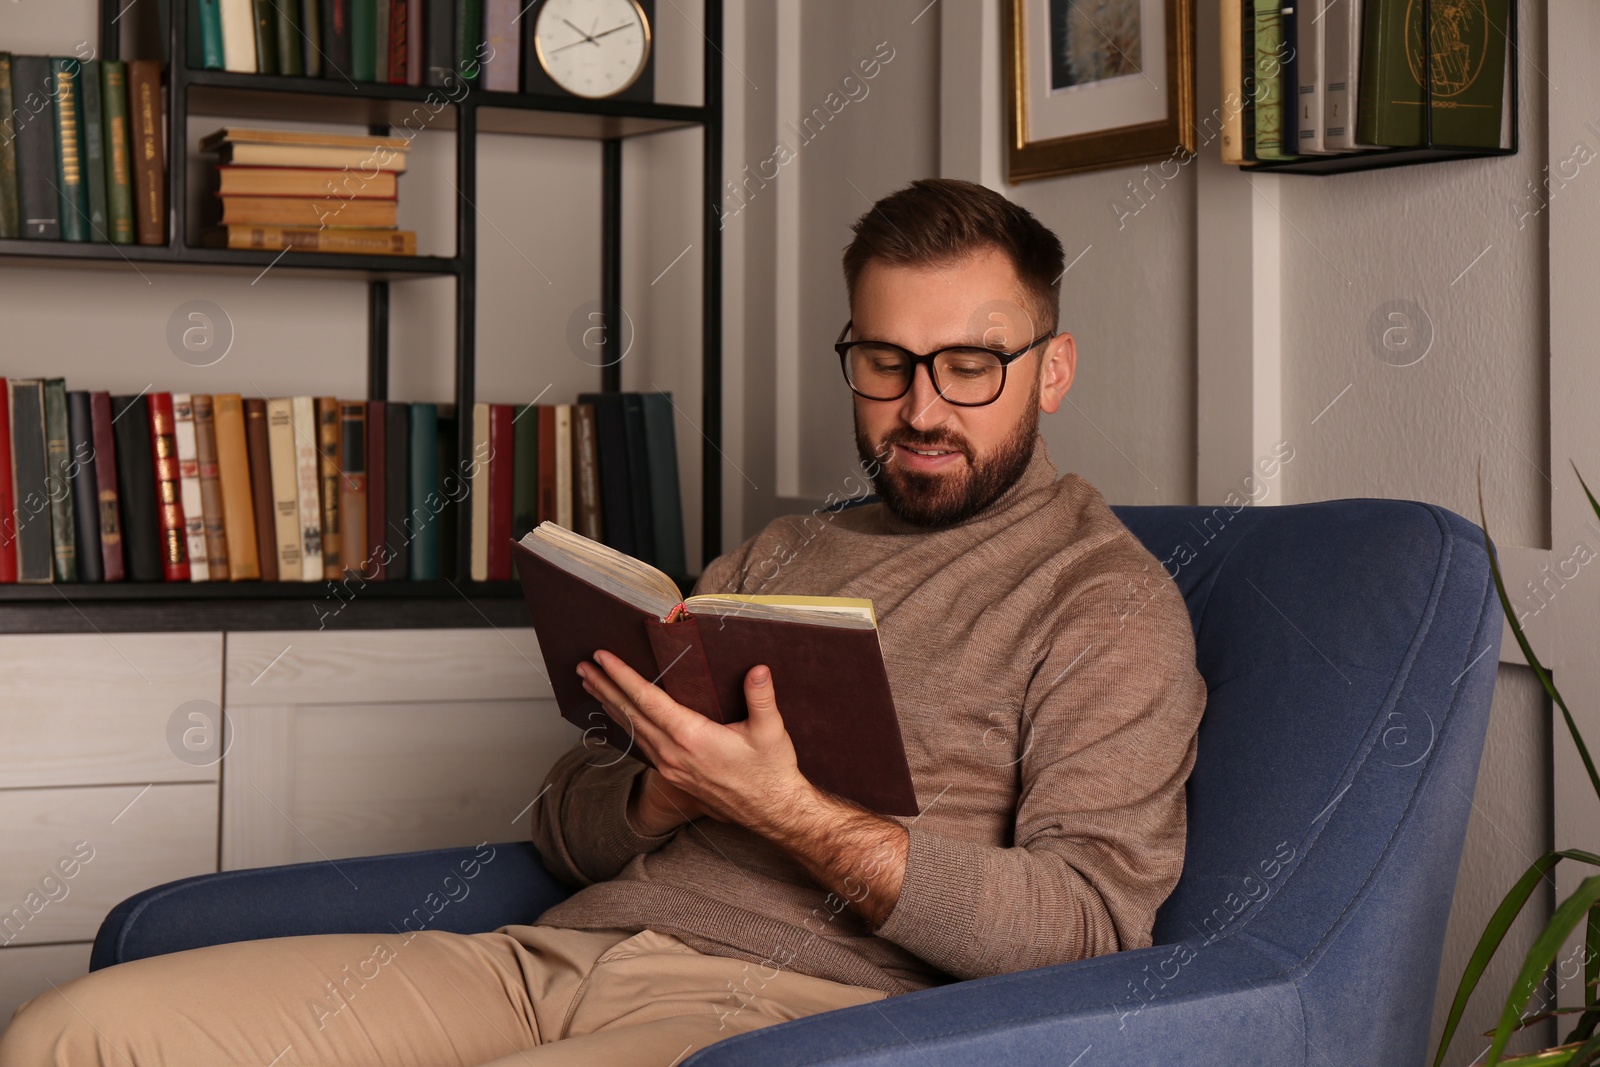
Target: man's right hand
[656, 806]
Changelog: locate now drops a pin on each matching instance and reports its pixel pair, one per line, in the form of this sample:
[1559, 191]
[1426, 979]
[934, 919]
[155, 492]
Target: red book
[547, 463]
[501, 447]
[105, 473]
[174, 546]
[377, 474]
[398, 42]
[8, 501]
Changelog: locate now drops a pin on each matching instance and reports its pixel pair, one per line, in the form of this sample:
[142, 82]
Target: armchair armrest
[467, 890]
[1224, 1002]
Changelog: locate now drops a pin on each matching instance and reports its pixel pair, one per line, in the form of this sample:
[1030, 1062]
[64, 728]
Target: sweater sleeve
[580, 823]
[1105, 745]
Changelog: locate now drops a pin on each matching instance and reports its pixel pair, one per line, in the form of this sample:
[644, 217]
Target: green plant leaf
[1543, 952]
[1588, 1054]
[1494, 933]
[1522, 638]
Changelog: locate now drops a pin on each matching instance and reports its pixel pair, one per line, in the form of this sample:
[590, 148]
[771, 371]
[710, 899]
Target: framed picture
[1096, 83]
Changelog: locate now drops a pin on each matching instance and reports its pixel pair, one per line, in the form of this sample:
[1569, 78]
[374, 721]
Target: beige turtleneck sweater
[1043, 669]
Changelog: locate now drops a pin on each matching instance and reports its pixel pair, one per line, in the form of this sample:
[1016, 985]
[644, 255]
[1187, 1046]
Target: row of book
[605, 467]
[396, 42]
[1314, 78]
[82, 150]
[316, 192]
[179, 487]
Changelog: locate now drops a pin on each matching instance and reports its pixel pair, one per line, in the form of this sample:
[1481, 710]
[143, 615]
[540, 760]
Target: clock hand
[615, 29]
[585, 36]
[570, 44]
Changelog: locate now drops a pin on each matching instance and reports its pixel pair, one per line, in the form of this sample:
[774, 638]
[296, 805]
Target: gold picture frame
[1099, 82]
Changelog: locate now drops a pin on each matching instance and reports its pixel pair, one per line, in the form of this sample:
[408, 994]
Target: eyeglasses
[966, 375]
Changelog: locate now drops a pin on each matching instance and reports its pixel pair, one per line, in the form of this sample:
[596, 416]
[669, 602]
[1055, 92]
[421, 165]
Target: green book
[118, 161]
[1271, 61]
[1467, 65]
[311, 26]
[363, 42]
[205, 35]
[524, 470]
[666, 503]
[469, 38]
[290, 38]
[58, 480]
[266, 16]
[422, 525]
[10, 220]
[94, 150]
[70, 184]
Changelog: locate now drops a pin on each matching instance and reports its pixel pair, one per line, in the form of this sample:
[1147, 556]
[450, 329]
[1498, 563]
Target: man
[1044, 677]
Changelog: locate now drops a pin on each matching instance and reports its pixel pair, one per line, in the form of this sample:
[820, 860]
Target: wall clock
[595, 49]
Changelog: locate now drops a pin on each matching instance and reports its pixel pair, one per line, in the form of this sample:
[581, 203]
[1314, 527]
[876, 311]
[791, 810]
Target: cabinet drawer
[88, 709]
[28, 971]
[71, 855]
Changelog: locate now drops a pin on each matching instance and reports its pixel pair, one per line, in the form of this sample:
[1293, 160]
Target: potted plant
[1581, 1046]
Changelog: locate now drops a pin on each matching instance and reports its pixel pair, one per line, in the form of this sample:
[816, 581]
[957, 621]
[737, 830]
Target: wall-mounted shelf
[1430, 151]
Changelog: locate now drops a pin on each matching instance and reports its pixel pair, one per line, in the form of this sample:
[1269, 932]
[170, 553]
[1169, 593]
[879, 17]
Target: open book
[823, 652]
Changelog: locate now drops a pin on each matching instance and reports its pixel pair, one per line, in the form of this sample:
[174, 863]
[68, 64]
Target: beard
[948, 497]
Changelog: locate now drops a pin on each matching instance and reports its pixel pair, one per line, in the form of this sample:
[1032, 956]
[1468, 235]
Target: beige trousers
[522, 996]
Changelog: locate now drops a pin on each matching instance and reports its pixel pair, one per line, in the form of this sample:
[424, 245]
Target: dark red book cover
[377, 494]
[105, 473]
[173, 546]
[831, 680]
[8, 502]
[502, 446]
[547, 463]
[399, 27]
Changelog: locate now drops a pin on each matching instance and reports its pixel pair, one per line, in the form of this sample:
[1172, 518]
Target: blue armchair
[1350, 650]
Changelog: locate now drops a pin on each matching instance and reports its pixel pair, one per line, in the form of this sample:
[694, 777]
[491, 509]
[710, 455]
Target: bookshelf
[1430, 151]
[454, 601]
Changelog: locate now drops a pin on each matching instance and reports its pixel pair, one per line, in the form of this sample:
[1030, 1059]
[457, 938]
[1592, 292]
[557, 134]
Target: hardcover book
[28, 466]
[261, 493]
[238, 510]
[353, 485]
[71, 187]
[8, 502]
[58, 453]
[583, 596]
[1465, 59]
[105, 471]
[118, 153]
[136, 488]
[149, 152]
[34, 123]
[216, 533]
[285, 489]
[10, 221]
[85, 487]
[194, 517]
[174, 545]
[328, 481]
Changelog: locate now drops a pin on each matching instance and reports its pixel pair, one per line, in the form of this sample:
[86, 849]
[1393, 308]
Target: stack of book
[82, 152]
[605, 467]
[315, 192]
[396, 42]
[1325, 77]
[180, 487]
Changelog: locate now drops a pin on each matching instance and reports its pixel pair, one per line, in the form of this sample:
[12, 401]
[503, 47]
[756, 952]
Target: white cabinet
[341, 744]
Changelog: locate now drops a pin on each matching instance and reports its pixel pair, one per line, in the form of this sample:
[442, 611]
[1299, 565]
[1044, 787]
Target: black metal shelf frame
[381, 107]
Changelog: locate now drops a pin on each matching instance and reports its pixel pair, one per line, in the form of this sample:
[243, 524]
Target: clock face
[592, 48]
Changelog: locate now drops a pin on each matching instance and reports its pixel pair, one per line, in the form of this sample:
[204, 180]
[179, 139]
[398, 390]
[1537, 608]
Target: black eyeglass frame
[843, 347]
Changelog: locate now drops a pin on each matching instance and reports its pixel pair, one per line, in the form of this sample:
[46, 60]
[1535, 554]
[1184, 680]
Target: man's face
[979, 452]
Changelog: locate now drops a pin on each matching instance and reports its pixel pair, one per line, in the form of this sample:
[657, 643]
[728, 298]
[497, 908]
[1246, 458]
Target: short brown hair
[934, 221]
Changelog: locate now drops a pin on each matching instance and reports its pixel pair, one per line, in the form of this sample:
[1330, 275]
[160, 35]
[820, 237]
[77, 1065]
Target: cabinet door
[87, 709]
[362, 743]
[30, 970]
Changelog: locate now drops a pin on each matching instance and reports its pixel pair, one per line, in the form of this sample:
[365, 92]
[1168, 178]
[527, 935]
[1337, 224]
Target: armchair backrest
[1350, 649]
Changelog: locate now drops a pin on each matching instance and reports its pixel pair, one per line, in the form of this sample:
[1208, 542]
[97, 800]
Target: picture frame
[1092, 84]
